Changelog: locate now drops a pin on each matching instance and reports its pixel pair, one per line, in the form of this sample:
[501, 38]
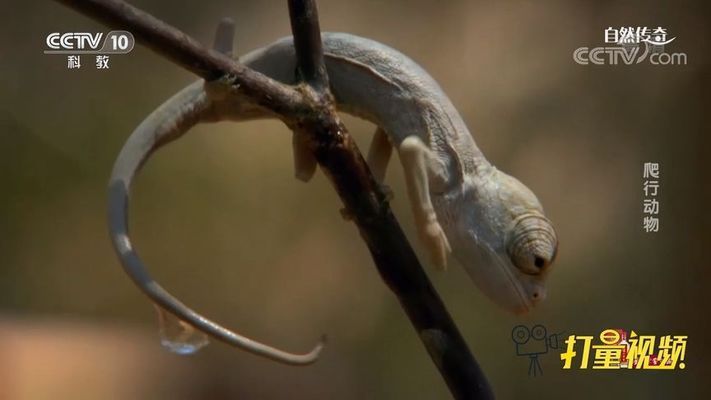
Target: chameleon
[491, 223]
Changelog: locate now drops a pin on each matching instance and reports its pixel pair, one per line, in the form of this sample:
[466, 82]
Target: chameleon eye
[533, 246]
[530, 263]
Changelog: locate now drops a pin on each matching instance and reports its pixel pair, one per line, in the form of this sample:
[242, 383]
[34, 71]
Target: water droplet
[177, 335]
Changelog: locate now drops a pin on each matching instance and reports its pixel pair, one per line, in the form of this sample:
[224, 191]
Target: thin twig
[312, 111]
[307, 43]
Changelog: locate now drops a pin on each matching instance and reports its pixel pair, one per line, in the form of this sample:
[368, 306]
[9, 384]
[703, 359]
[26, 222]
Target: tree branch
[310, 109]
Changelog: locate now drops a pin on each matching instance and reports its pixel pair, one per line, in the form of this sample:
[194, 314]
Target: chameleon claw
[346, 214]
[224, 43]
[304, 161]
[388, 192]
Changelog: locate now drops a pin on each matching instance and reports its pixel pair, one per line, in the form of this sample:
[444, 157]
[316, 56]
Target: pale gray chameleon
[493, 224]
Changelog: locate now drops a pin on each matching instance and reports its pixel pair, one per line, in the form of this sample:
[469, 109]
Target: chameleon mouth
[524, 303]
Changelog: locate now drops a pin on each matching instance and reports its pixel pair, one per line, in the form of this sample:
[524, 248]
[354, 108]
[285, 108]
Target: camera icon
[533, 343]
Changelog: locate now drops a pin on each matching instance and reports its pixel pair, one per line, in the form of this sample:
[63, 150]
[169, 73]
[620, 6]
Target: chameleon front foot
[387, 191]
[436, 242]
[346, 214]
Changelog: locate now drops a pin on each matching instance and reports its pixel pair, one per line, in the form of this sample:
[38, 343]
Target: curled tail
[167, 123]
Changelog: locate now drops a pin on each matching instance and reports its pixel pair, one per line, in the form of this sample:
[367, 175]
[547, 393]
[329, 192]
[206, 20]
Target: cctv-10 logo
[115, 42]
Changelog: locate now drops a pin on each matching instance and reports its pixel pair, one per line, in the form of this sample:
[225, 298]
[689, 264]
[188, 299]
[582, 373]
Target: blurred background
[223, 224]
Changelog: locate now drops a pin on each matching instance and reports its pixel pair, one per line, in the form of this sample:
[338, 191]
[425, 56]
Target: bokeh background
[222, 222]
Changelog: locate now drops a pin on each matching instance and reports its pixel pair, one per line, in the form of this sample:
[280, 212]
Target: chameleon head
[498, 232]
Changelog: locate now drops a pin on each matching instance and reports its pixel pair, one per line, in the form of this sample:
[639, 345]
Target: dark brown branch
[310, 109]
[397, 263]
